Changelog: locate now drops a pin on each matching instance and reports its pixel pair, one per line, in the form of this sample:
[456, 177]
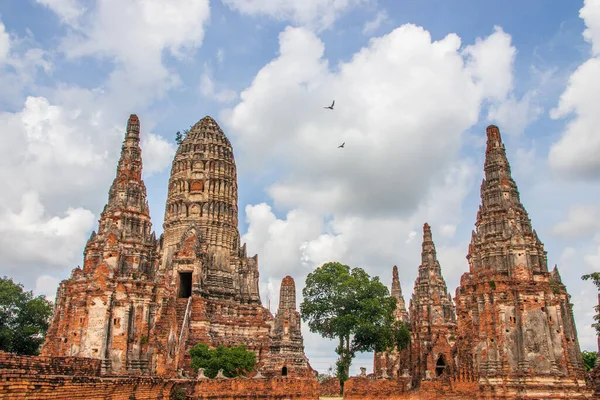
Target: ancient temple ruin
[287, 345]
[516, 331]
[432, 318]
[512, 333]
[393, 363]
[106, 309]
[140, 303]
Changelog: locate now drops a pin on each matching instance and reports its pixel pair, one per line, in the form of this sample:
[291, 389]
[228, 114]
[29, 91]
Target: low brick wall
[54, 378]
[54, 387]
[391, 389]
[375, 389]
[243, 388]
[59, 378]
[50, 365]
[329, 387]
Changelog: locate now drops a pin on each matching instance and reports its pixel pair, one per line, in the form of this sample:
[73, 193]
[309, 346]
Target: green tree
[589, 359]
[349, 305]
[595, 277]
[179, 137]
[234, 361]
[24, 319]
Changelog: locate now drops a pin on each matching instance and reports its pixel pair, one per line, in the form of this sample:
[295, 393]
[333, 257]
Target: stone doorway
[284, 371]
[440, 366]
[185, 285]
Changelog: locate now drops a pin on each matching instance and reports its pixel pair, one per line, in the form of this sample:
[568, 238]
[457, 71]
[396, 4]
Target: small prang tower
[432, 319]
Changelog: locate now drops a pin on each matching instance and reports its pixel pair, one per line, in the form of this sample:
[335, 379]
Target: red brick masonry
[54, 378]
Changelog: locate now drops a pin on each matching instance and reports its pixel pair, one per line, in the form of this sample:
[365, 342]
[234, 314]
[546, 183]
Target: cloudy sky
[415, 85]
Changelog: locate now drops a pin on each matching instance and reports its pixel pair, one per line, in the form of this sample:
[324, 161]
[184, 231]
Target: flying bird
[341, 146]
[331, 106]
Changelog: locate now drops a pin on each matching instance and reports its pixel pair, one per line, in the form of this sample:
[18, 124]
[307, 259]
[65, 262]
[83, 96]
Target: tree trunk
[348, 355]
[341, 358]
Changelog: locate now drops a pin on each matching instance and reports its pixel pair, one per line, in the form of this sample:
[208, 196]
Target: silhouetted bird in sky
[331, 106]
[341, 146]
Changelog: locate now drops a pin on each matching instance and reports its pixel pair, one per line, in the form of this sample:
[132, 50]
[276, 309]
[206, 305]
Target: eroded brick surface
[329, 387]
[238, 389]
[50, 378]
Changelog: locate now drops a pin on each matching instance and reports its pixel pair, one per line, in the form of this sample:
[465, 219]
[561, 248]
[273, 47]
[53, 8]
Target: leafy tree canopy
[348, 305]
[179, 137]
[595, 277]
[24, 319]
[589, 359]
[234, 361]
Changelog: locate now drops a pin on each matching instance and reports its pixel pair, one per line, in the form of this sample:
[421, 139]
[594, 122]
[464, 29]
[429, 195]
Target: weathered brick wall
[375, 389]
[53, 378]
[241, 388]
[391, 389]
[17, 386]
[329, 387]
[49, 365]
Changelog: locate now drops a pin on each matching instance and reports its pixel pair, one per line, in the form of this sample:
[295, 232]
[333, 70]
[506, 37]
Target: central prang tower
[203, 194]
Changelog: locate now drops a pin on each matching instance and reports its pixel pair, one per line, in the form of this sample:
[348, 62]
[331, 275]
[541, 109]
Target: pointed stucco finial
[493, 134]
[133, 127]
[287, 294]
[427, 233]
[556, 275]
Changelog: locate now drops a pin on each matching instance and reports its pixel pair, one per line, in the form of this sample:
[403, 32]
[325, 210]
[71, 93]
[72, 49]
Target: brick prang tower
[517, 334]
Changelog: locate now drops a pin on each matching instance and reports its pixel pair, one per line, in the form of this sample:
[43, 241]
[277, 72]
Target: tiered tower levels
[203, 191]
[517, 335]
[105, 309]
[432, 318]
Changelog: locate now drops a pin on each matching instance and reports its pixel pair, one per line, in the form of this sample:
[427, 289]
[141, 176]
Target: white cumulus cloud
[136, 35]
[402, 97]
[582, 221]
[157, 153]
[316, 14]
[68, 11]
[575, 153]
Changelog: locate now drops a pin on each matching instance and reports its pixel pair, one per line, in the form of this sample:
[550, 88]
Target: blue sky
[415, 84]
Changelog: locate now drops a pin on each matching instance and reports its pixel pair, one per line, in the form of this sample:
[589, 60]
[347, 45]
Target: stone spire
[287, 294]
[286, 354]
[502, 220]
[432, 317]
[515, 319]
[103, 310]
[126, 215]
[400, 312]
[393, 363]
[430, 287]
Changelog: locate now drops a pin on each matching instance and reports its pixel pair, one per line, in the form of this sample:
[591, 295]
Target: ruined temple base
[244, 388]
[551, 387]
[74, 378]
[522, 389]
[399, 389]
